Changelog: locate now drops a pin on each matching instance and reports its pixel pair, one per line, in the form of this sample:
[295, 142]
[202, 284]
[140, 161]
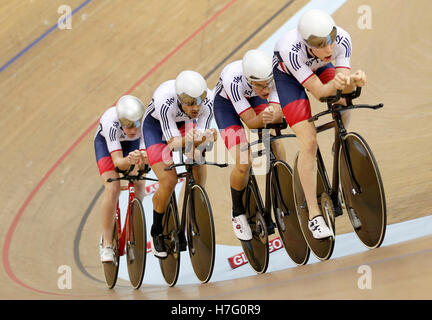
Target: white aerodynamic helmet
[130, 111]
[317, 28]
[257, 66]
[191, 88]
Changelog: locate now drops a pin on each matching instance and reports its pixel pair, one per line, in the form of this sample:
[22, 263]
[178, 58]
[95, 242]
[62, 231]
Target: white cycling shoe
[319, 228]
[241, 228]
[107, 254]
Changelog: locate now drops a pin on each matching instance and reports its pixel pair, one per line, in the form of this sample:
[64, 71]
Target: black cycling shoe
[158, 246]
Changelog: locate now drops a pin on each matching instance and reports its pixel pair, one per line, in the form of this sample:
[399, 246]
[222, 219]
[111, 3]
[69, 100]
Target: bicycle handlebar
[332, 99]
[339, 108]
[126, 176]
[220, 165]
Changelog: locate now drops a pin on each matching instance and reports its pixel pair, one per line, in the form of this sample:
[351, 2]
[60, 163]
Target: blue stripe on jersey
[150, 108]
[294, 62]
[234, 92]
[218, 88]
[209, 118]
[112, 134]
[346, 44]
[165, 123]
[275, 60]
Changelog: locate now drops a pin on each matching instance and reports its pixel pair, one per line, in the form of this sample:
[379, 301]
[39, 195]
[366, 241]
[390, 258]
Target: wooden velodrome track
[53, 94]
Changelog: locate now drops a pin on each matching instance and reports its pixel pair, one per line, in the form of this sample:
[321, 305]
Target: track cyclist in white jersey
[245, 94]
[181, 110]
[118, 143]
[303, 60]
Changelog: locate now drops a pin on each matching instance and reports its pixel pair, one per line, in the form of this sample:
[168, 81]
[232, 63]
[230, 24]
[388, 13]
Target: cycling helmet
[191, 88]
[317, 28]
[130, 111]
[257, 66]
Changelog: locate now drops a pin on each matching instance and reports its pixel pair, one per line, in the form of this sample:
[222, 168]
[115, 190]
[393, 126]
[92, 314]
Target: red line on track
[14, 224]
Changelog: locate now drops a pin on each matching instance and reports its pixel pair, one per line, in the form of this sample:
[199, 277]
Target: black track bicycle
[356, 183]
[279, 198]
[196, 221]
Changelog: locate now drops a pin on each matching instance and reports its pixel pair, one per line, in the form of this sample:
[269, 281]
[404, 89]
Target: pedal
[355, 221]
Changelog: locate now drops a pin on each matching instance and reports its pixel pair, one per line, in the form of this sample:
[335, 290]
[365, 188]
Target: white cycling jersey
[233, 85]
[166, 107]
[110, 128]
[291, 55]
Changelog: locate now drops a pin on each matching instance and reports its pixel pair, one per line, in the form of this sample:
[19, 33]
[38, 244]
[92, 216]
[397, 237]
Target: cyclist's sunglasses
[321, 42]
[128, 124]
[261, 84]
[191, 101]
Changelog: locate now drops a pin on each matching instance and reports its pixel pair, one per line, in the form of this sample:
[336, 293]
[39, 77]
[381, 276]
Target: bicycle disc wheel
[284, 211]
[170, 266]
[321, 248]
[136, 248]
[200, 233]
[257, 249]
[369, 205]
[111, 268]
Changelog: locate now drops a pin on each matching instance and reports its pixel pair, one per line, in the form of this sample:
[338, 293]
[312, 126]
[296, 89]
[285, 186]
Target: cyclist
[303, 60]
[118, 143]
[242, 94]
[181, 110]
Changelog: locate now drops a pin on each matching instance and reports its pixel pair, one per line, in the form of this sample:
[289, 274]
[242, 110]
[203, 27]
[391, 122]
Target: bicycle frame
[339, 141]
[127, 226]
[267, 205]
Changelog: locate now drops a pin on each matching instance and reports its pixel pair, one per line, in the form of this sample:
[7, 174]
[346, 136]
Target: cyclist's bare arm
[123, 163]
[252, 120]
[180, 142]
[342, 81]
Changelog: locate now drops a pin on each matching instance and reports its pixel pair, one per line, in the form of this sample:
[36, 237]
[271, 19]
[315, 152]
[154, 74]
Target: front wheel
[366, 208]
[137, 244]
[257, 249]
[285, 213]
[200, 233]
[111, 268]
[170, 266]
[321, 248]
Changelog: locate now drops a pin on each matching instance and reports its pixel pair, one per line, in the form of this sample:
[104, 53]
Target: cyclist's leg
[234, 136]
[200, 174]
[306, 137]
[111, 190]
[296, 109]
[159, 157]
